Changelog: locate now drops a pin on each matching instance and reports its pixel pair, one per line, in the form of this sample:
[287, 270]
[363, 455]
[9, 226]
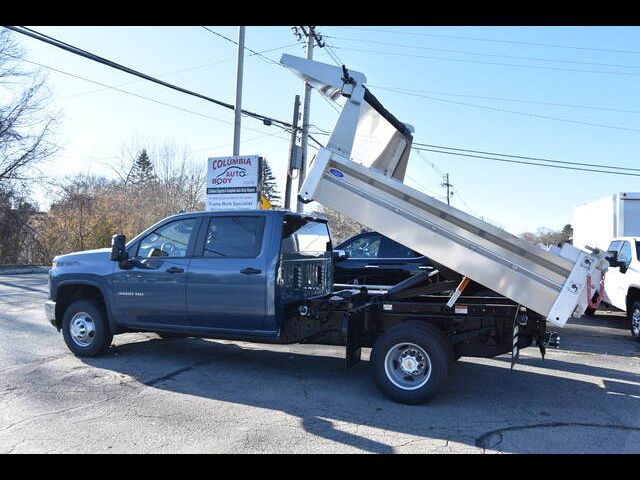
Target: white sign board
[232, 183]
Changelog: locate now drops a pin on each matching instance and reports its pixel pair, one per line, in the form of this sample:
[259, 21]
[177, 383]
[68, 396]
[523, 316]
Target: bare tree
[340, 226]
[26, 124]
[547, 236]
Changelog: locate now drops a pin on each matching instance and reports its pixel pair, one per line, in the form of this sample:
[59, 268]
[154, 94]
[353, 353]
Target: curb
[18, 270]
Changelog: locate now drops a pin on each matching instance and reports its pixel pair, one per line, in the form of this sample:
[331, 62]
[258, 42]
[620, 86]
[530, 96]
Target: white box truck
[613, 223]
[597, 223]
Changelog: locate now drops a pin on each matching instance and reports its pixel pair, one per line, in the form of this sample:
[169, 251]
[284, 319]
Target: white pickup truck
[622, 282]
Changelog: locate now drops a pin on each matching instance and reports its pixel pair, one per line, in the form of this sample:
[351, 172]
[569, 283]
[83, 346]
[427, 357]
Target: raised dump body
[360, 174]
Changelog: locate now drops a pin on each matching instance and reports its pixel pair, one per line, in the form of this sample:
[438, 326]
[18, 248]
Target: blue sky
[448, 64]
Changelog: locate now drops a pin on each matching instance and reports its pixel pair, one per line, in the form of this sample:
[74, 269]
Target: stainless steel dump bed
[360, 171]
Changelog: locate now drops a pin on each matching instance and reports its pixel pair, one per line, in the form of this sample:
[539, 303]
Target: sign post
[233, 183]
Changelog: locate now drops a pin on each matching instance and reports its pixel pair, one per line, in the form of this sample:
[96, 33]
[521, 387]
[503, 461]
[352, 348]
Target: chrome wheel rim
[635, 322]
[83, 329]
[407, 366]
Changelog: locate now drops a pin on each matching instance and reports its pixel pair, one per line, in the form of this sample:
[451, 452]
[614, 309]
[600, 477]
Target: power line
[461, 37]
[526, 163]
[263, 57]
[467, 52]
[78, 51]
[188, 69]
[502, 99]
[79, 77]
[614, 167]
[481, 62]
[517, 112]
[267, 59]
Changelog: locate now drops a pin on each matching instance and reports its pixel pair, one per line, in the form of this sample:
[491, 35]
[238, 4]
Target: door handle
[372, 266]
[175, 270]
[250, 271]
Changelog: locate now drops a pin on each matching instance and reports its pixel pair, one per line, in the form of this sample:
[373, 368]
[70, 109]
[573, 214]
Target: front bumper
[50, 312]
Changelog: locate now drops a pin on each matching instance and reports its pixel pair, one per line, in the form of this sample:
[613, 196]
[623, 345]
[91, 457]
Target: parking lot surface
[147, 394]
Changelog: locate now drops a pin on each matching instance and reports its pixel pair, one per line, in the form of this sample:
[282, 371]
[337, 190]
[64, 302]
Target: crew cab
[622, 282]
[267, 276]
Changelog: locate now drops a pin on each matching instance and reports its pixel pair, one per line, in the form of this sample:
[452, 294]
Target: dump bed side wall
[512, 267]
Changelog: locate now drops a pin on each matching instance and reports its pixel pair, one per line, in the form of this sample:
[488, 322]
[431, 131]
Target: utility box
[598, 222]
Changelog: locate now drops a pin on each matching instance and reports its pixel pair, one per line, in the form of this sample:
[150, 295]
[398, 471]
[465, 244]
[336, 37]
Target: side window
[625, 253]
[615, 246]
[170, 240]
[234, 237]
[393, 249]
[367, 246]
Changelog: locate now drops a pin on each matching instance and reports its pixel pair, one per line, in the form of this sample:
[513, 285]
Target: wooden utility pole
[292, 151]
[305, 118]
[448, 185]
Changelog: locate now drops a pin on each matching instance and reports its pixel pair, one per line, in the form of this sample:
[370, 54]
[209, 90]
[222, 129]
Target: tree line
[149, 181]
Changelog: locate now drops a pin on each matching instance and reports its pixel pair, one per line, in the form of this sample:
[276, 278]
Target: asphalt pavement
[152, 395]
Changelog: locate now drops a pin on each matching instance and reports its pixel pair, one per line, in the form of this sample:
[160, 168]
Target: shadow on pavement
[338, 404]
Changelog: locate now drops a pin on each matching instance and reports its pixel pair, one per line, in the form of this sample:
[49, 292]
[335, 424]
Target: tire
[425, 349]
[170, 335]
[634, 320]
[85, 328]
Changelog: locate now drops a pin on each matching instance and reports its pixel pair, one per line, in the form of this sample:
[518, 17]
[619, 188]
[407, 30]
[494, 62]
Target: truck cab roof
[279, 212]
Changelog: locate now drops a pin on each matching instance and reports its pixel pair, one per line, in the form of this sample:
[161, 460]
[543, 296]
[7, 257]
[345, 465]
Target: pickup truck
[622, 282]
[266, 276]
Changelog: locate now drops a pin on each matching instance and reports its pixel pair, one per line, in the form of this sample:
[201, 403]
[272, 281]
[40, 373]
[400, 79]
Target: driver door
[615, 283]
[152, 293]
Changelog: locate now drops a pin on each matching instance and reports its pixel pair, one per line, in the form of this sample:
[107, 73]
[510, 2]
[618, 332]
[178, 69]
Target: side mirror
[339, 255]
[118, 248]
[615, 263]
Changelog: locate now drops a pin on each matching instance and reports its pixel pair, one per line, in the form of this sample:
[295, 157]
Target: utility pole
[305, 117]
[448, 185]
[238, 106]
[292, 151]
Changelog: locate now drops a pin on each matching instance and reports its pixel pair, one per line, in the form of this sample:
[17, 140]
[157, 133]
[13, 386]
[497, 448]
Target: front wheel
[411, 362]
[85, 328]
[634, 319]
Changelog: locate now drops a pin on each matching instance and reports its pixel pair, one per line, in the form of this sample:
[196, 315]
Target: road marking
[35, 292]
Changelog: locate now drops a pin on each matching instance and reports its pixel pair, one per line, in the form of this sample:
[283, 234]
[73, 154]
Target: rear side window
[367, 246]
[305, 238]
[234, 237]
[393, 249]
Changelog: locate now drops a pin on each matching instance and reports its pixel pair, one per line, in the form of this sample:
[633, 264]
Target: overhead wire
[481, 39]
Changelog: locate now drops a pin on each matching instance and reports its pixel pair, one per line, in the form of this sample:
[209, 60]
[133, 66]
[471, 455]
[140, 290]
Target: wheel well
[633, 295]
[67, 294]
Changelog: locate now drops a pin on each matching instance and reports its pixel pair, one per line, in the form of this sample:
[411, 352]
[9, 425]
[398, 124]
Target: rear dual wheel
[411, 362]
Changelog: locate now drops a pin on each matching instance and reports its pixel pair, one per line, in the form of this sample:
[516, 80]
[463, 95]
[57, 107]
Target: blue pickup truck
[267, 276]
